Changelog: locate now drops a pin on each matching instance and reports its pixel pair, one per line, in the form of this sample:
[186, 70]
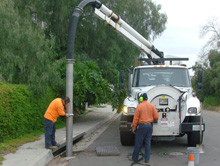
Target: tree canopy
[27, 57]
[210, 61]
[95, 41]
[33, 39]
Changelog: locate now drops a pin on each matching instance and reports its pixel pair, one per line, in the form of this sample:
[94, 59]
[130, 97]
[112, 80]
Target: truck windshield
[159, 76]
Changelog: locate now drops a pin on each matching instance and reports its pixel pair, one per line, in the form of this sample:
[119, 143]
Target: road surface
[167, 153]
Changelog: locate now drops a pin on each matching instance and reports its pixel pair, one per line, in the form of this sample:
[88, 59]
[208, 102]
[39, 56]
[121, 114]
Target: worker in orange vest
[144, 115]
[55, 109]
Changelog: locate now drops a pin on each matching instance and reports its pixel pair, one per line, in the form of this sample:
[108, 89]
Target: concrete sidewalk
[35, 154]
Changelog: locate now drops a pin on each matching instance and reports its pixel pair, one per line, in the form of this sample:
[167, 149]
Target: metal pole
[69, 68]
[69, 119]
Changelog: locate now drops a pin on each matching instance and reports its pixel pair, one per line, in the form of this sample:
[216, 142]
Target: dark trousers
[143, 134]
[49, 130]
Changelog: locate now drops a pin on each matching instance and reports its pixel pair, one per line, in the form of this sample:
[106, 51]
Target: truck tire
[127, 138]
[193, 138]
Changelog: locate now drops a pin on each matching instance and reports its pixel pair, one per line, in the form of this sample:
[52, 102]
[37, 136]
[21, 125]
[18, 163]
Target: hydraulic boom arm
[110, 18]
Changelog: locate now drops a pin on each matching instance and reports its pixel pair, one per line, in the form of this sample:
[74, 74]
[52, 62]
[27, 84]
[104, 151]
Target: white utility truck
[169, 89]
[168, 86]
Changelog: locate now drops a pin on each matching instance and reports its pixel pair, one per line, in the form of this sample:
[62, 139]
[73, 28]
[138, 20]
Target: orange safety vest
[55, 110]
[145, 112]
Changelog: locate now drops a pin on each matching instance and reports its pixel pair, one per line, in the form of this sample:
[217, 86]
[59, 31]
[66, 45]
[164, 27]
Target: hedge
[21, 112]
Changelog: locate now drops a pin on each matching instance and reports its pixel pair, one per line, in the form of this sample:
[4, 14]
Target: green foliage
[21, 112]
[54, 14]
[211, 78]
[211, 101]
[211, 75]
[95, 41]
[118, 97]
[214, 58]
[89, 86]
[211, 64]
[107, 48]
[143, 15]
[26, 57]
[33, 54]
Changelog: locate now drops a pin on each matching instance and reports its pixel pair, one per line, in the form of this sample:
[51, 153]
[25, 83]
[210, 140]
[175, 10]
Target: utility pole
[69, 113]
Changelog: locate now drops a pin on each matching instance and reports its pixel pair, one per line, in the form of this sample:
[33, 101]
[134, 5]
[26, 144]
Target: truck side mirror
[200, 79]
[121, 79]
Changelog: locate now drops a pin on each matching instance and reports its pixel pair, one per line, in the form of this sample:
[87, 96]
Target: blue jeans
[49, 130]
[143, 134]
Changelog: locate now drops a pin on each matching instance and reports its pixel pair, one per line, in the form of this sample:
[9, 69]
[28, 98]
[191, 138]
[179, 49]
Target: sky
[185, 19]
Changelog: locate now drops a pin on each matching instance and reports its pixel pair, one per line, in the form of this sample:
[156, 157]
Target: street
[162, 153]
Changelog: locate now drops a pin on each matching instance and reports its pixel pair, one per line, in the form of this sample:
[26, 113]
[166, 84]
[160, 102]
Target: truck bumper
[185, 127]
[191, 127]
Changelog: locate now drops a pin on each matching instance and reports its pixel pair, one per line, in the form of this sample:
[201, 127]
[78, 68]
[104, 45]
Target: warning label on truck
[171, 123]
[165, 123]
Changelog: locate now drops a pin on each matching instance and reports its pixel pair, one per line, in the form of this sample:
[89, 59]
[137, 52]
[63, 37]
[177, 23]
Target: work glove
[133, 131]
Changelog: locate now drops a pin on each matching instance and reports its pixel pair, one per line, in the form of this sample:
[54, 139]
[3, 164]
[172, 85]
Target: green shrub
[211, 101]
[21, 112]
[89, 85]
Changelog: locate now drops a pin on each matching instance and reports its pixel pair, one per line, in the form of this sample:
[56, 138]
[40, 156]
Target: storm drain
[177, 154]
[107, 151]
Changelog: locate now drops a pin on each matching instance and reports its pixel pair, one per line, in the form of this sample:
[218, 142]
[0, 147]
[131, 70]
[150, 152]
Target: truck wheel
[127, 138]
[193, 138]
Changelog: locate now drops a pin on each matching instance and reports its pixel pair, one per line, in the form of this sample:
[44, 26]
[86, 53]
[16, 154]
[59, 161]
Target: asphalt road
[172, 153]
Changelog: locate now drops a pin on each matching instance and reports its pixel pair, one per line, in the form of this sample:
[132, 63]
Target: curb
[43, 159]
[62, 147]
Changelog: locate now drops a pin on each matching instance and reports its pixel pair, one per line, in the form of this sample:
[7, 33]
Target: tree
[214, 59]
[210, 60]
[144, 16]
[95, 40]
[107, 48]
[53, 16]
[211, 78]
[211, 28]
[45, 39]
[89, 86]
[26, 56]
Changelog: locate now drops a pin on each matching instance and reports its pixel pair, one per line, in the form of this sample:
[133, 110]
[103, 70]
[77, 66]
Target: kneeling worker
[144, 116]
[55, 109]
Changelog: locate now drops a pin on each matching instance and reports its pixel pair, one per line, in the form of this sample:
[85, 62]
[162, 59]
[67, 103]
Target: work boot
[57, 145]
[50, 147]
[144, 163]
[131, 159]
